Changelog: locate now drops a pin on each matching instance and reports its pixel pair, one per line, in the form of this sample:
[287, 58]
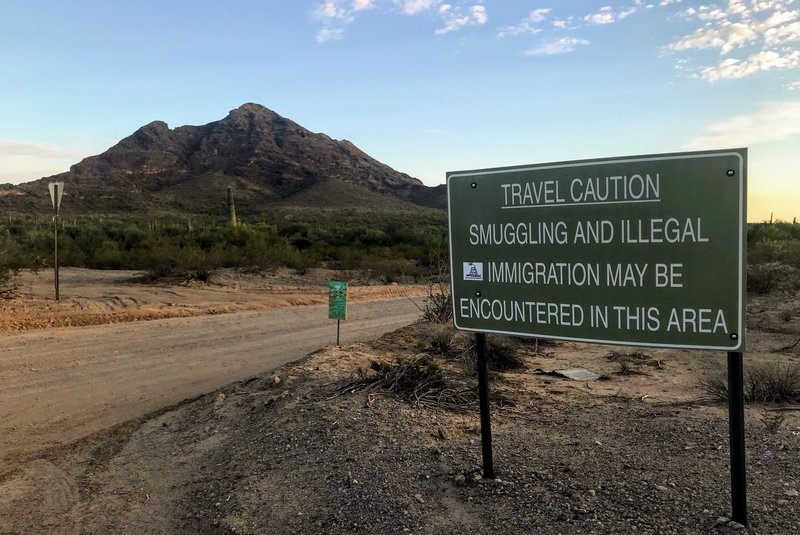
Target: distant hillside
[267, 159]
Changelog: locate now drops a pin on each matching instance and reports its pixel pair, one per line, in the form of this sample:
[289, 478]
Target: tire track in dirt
[63, 384]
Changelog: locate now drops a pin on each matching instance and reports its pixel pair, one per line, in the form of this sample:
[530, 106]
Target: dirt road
[63, 384]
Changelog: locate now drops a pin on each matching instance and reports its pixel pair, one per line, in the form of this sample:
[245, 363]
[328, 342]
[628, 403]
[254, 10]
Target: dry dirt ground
[93, 297]
[303, 449]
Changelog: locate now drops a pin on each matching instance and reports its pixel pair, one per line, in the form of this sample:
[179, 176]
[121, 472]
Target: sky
[425, 86]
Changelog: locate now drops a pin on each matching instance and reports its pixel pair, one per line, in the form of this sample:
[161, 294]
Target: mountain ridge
[267, 159]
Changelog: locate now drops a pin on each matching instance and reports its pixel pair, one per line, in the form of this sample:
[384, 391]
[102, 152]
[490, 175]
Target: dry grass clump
[437, 339]
[715, 388]
[502, 353]
[419, 380]
[763, 383]
[771, 383]
[630, 363]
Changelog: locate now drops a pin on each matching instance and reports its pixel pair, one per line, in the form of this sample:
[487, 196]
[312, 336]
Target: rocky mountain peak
[268, 158]
[151, 136]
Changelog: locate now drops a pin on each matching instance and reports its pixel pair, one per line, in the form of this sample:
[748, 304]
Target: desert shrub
[10, 265]
[437, 306]
[772, 383]
[784, 252]
[165, 261]
[787, 314]
[715, 388]
[436, 339]
[763, 383]
[772, 276]
[778, 231]
[109, 256]
[442, 341]
[7, 275]
[502, 353]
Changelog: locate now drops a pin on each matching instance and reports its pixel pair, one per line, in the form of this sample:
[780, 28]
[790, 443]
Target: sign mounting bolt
[477, 294]
[474, 185]
[734, 336]
[730, 172]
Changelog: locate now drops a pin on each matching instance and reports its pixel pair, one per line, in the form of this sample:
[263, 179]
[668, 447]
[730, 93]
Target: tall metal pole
[55, 237]
[486, 417]
[736, 423]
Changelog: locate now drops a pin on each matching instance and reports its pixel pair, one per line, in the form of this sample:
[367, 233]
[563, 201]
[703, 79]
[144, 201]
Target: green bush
[772, 276]
[784, 252]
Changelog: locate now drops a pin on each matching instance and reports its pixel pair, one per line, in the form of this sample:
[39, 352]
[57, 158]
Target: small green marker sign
[640, 250]
[337, 300]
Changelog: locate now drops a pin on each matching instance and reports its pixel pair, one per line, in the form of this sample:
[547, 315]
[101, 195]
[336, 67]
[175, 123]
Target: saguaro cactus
[231, 207]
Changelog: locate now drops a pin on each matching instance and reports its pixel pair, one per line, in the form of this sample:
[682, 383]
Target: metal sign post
[486, 416]
[736, 425]
[56, 191]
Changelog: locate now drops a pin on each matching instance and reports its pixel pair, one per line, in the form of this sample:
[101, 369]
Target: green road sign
[337, 300]
[640, 250]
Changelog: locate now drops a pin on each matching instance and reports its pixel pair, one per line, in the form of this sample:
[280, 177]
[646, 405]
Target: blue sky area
[425, 86]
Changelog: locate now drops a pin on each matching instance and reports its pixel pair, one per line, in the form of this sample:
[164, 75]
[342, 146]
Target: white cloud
[38, 150]
[412, 7]
[335, 16]
[479, 14]
[702, 38]
[564, 45]
[456, 18]
[565, 24]
[604, 16]
[362, 5]
[794, 86]
[707, 13]
[752, 36]
[775, 121]
[528, 25]
[329, 33]
[21, 161]
[782, 35]
[734, 69]
[607, 15]
[331, 9]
